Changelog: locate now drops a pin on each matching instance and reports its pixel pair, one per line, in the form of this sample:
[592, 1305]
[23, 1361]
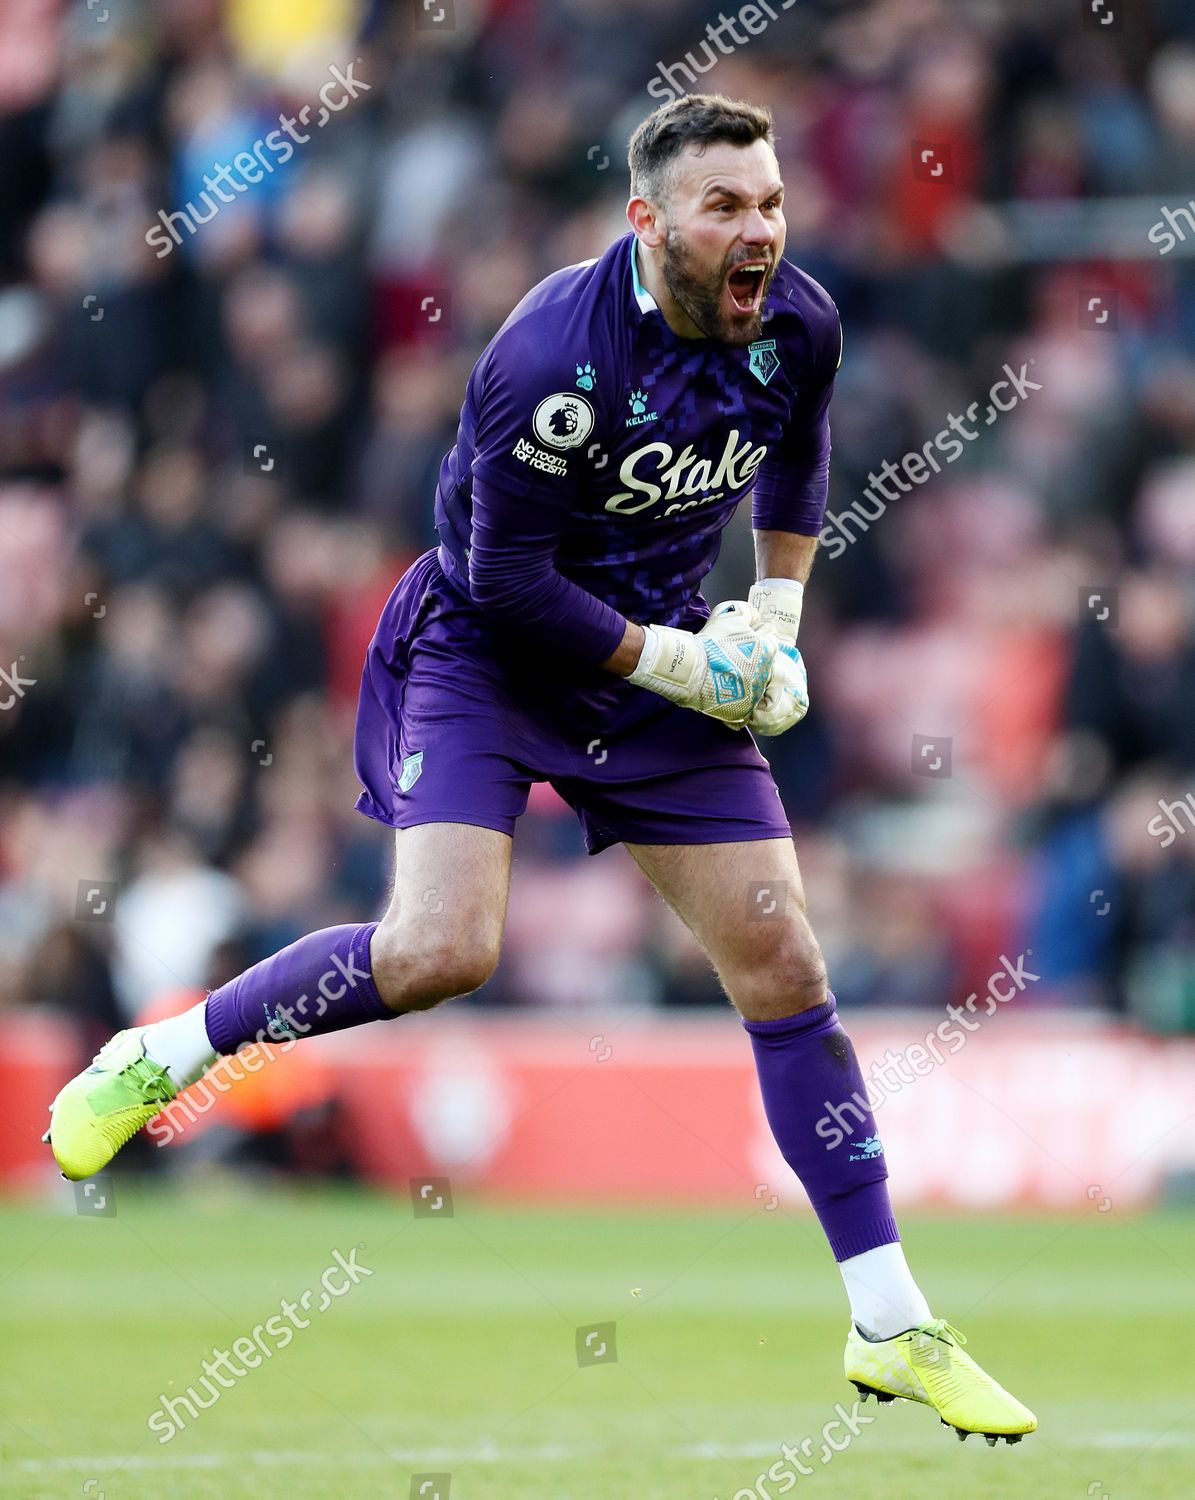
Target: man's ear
[646, 219]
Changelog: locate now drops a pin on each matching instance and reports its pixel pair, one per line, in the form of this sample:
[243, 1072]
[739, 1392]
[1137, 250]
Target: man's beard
[700, 294]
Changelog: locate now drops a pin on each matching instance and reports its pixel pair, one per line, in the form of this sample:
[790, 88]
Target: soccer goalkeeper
[608, 432]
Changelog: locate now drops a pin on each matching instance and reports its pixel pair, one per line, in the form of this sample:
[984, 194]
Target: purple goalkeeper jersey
[599, 456]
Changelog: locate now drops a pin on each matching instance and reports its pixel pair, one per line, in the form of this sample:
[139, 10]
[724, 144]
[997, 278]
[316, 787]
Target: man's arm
[788, 503]
[787, 508]
[784, 554]
[626, 658]
[783, 563]
[513, 575]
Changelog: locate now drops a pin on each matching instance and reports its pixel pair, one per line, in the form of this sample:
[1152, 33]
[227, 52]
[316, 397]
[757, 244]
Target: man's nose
[758, 230]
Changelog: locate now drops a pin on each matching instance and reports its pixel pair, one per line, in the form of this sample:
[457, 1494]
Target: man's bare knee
[415, 973]
[441, 934]
[782, 977]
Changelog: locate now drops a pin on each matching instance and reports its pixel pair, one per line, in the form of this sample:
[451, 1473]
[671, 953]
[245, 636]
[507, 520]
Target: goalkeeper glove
[786, 699]
[721, 671]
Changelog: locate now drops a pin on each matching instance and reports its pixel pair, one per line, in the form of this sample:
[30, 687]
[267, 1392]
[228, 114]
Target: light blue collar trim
[647, 303]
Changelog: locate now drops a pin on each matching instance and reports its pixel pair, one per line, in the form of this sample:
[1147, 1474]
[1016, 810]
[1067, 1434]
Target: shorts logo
[764, 361]
[412, 769]
[564, 420]
[548, 463]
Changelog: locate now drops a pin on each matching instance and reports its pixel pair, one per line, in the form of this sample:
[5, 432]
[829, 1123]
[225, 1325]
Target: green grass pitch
[458, 1354]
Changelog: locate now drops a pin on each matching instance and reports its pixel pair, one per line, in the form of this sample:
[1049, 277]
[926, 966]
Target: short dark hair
[692, 120]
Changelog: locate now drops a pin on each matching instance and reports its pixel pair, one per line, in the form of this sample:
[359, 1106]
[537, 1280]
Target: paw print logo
[586, 376]
[638, 402]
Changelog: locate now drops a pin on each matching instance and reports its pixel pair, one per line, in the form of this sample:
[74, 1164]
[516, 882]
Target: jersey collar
[647, 303]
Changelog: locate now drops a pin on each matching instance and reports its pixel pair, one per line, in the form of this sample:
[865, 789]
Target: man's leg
[439, 938]
[745, 904]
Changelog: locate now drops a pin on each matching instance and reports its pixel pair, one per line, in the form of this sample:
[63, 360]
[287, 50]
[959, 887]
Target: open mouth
[745, 285]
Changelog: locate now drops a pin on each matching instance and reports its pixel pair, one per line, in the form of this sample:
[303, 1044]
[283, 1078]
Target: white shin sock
[885, 1300]
[180, 1044]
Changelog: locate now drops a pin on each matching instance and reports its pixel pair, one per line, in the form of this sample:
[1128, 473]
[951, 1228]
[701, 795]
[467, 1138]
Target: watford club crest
[764, 361]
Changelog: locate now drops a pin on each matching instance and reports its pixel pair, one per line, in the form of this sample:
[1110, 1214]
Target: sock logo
[867, 1148]
[280, 1025]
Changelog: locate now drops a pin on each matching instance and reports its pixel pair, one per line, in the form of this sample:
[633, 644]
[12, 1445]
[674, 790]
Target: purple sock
[809, 1078]
[321, 983]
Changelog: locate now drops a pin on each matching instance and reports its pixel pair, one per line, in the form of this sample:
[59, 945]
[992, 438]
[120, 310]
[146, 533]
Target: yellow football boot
[106, 1105]
[927, 1364]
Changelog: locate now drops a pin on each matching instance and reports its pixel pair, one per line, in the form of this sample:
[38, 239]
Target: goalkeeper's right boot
[926, 1364]
[106, 1105]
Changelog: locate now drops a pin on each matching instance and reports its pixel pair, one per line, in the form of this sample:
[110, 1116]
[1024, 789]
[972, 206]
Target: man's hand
[721, 671]
[786, 700]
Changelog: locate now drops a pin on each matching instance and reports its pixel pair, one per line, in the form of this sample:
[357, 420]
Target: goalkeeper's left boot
[106, 1105]
[927, 1364]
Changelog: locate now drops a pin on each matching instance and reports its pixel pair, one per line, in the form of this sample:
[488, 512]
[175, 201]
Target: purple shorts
[445, 735]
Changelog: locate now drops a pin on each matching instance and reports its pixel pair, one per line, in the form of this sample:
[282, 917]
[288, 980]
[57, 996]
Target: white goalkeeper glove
[721, 671]
[785, 702]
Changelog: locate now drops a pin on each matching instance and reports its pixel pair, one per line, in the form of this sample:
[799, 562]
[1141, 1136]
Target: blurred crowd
[217, 457]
